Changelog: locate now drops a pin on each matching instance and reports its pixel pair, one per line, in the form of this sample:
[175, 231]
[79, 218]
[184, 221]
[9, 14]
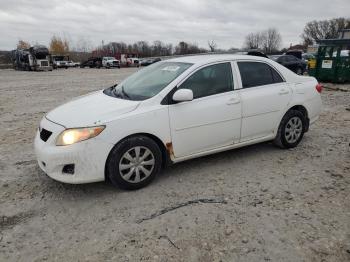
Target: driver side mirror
[183, 95]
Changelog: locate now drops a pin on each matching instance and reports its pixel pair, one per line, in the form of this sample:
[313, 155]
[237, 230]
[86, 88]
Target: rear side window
[257, 74]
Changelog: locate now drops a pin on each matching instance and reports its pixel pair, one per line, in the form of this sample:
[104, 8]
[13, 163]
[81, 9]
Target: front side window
[257, 74]
[211, 80]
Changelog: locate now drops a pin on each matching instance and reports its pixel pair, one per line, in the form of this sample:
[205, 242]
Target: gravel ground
[258, 203]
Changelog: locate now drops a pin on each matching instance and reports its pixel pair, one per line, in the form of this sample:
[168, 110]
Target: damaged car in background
[173, 111]
[35, 58]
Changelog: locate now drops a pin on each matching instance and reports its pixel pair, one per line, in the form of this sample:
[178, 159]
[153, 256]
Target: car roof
[205, 59]
[201, 60]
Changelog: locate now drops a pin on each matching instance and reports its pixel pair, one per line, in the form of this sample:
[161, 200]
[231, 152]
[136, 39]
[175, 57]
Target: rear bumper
[89, 157]
[314, 108]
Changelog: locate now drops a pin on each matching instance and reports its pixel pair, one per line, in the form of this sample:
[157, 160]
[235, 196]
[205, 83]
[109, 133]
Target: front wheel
[134, 162]
[291, 129]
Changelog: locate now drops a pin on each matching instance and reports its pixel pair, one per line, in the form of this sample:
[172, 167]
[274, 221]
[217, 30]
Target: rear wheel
[291, 129]
[134, 162]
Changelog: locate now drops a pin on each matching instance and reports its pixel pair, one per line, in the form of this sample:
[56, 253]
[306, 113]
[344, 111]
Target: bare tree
[212, 45]
[253, 40]
[184, 48]
[271, 40]
[22, 44]
[268, 40]
[324, 29]
[157, 48]
[83, 45]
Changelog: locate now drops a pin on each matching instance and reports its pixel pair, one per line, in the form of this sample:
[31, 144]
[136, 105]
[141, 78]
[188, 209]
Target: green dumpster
[332, 62]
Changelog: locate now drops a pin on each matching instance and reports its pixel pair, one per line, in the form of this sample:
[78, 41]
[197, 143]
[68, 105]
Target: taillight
[319, 88]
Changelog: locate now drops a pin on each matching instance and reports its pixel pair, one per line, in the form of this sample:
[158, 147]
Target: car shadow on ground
[94, 190]
[230, 155]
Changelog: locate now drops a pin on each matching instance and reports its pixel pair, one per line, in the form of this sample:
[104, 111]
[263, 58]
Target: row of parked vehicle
[112, 62]
[293, 60]
[39, 58]
[63, 62]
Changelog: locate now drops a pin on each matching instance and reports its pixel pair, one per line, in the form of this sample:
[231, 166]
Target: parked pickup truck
[71, 63]
[109, 62]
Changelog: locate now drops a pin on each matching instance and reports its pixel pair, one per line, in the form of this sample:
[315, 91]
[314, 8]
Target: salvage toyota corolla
[172, 111]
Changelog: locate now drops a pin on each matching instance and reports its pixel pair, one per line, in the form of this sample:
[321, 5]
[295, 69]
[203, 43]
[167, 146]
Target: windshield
[148, 82]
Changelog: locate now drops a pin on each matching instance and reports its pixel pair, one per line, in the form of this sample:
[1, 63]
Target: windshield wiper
[124, 93]
[120, 92]
[116, 92]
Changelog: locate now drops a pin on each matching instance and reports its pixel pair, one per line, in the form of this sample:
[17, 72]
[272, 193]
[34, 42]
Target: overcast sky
[226, 22]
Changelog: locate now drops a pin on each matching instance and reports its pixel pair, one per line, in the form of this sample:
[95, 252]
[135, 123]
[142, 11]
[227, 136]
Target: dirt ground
[258, 203]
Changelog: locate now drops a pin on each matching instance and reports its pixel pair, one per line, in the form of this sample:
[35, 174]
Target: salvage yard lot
[258, 203]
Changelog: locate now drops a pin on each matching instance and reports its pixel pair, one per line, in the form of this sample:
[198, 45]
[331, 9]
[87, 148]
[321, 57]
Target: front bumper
[114, 65]
[43, 68]
[89, 157]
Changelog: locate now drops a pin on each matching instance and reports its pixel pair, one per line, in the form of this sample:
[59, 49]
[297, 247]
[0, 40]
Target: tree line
[324, 29]
[145, 49]
[268, 41]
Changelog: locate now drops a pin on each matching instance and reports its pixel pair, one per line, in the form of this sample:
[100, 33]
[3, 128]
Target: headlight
[75, 135]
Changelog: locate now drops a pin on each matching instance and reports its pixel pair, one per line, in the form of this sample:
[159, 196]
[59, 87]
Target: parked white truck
[109, 61]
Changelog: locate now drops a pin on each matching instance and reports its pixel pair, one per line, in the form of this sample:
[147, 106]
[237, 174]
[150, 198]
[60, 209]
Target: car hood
[90, 110]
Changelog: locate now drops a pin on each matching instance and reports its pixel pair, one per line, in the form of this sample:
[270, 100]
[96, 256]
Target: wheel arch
[165, 150]
[301, 108]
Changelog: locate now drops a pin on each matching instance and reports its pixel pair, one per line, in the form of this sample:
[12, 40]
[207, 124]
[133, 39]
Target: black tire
[118, 151]
[281, 137]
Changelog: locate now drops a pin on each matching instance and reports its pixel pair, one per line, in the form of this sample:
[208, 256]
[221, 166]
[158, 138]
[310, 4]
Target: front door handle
[283, 91]
[233, 101]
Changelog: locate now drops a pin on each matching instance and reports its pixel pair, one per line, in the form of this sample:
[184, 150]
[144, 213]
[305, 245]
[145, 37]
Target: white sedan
[173, 111]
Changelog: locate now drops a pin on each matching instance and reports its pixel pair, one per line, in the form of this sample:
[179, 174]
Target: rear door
[264, 96]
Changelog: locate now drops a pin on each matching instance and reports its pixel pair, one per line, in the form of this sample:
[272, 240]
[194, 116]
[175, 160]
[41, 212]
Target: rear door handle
[233, 101]
[283, 91]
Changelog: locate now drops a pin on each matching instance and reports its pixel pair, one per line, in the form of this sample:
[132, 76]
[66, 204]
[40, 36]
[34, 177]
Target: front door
[213, 118]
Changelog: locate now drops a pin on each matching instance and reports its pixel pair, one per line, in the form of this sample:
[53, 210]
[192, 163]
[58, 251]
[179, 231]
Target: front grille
[44, 63]
[45, 134]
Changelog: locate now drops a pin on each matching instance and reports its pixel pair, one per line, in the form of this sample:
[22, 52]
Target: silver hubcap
[136, 164]
[293, 129]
